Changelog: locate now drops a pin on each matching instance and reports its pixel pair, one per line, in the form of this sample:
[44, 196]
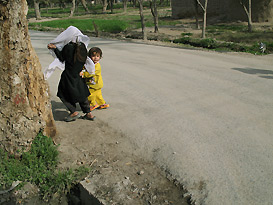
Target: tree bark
[155, 14]
[125, 6]
[204, 23]
[37, 10]
[248, 13]
[249, 16]
[111, 6]
[84, 5]
[196, 14]
[104, 6]
[72, 10]
[204, 8]
[25, 107]
[96, 29]
[144, 36]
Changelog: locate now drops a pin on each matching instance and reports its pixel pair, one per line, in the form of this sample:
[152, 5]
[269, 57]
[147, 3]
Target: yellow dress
[95, 84]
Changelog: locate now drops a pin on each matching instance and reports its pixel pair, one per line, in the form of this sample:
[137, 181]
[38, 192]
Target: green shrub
[220, 45]
[111, 26]
[186, 34]
[207, 43]
[183, 40]
[39, 166]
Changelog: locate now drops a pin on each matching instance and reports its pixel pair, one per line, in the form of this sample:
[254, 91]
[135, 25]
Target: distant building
[230, 10]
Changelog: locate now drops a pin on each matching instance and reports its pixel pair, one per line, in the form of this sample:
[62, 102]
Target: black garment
[85, 106]
[72, 88]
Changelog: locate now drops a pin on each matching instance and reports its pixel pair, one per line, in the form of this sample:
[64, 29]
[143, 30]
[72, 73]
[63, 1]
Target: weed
[186, 34]
[219, 45]
[39, 166]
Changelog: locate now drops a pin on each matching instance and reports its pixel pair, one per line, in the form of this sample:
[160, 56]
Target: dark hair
[95, 50]
[80, 53]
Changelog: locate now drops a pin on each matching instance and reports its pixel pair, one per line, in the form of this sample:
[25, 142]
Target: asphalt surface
[206, 117]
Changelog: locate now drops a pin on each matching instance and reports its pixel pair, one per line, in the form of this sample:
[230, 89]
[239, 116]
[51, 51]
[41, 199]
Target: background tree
[247, 7]
[144, 35]
[72, 10]
[104, 6]
[25, 106]
[125, 6]
[37, 9]
[62, 3]
[195, 3]
[204, 8]
[46, 3]
[84, 4]
[153, 7]
[133, 2]
[111, 5]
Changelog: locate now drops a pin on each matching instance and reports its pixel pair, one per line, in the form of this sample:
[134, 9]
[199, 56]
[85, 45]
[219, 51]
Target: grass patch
[236, 38]
[39, 166]
[238, 35]
[85, 25]
[209, 43]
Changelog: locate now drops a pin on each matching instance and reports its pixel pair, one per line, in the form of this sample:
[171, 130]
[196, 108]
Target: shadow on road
[268, 74]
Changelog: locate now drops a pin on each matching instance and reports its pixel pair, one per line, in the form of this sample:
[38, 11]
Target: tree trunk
[196, 14]
[37, 10]
[72, 10]
[125, 6]
[111, 6]
[104, 6]
[84, 5]
[144, 36]
[204, 8]
[248, 13]
[154, 13]
[96, 29]
[204, 24]
[249, 16]
[77, 6]
[25, 107]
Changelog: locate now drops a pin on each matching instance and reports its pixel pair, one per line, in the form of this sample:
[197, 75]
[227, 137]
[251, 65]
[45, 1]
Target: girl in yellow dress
[94, 82]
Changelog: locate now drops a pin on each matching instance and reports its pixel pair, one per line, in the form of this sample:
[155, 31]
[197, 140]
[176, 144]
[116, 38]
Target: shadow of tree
[268, 74]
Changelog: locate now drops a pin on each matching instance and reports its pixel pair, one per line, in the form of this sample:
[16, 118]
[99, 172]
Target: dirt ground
[118, 175]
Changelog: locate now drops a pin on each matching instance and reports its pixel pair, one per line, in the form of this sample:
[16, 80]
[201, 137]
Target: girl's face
[95, 57]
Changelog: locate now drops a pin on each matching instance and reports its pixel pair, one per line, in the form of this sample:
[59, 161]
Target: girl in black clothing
[72, 88]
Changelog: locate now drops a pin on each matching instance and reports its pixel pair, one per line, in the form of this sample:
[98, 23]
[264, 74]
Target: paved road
[206, 117]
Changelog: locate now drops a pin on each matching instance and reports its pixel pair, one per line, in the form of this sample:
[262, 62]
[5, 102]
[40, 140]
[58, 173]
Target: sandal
[94, 107]
[70, 118]
[104, 106]
[85, 117]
